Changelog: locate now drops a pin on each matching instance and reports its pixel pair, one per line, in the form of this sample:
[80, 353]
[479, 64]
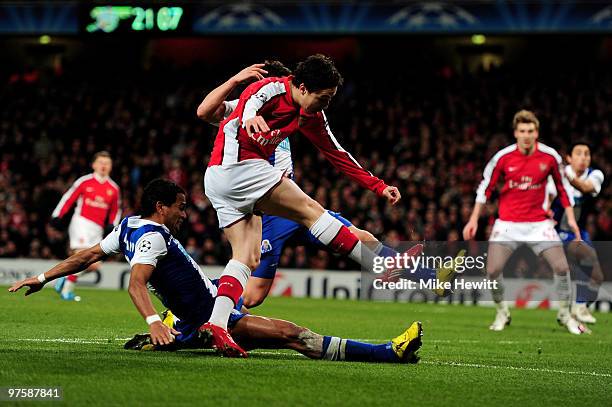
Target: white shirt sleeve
[596, 177]
[110, 244]
[149, 248]
[230, 107]
[551, 188]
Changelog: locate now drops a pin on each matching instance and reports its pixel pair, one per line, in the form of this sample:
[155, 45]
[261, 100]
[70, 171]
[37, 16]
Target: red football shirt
[271, 99]
[95, 199]
[522, 196]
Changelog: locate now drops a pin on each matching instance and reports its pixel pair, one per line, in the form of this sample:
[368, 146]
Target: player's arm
[321, 136]
[551, 194]
[591, 185]
[490, 176]
[76, 263]
[115, 210]
[149, 248]
[470, 229]
[212, 108]
[564, 198]
[139, 276]
[67, 202]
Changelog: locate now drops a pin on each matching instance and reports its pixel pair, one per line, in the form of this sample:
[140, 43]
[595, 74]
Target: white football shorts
[84, 233]
[539, 236]
[234, 189]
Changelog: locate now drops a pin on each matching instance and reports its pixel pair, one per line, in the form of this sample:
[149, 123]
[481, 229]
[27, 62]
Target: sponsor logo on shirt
[273, 137]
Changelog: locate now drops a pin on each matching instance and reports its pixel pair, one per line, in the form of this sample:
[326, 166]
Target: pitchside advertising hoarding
[527, 282]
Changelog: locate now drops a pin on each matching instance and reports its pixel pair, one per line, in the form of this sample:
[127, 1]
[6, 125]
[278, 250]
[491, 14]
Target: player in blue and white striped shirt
[158, 259]
[585, 184]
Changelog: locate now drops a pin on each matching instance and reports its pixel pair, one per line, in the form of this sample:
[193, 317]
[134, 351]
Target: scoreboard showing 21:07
[160, 18]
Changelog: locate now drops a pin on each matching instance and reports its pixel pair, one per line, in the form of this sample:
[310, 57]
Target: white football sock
[223, 304]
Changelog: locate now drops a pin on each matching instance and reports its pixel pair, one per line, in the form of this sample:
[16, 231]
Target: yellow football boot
[168, 318]
[447, 274]
[407, 344]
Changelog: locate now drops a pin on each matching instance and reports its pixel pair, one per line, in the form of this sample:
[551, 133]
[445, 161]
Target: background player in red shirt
[95, 198]
[523, 219]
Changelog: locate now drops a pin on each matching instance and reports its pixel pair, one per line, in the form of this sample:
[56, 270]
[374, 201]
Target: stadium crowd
[430, 133]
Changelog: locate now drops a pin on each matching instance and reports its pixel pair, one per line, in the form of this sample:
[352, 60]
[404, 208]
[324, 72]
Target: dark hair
[103, 153]
[158, 190]
[578, 143]
[276, 68]
[317, 72]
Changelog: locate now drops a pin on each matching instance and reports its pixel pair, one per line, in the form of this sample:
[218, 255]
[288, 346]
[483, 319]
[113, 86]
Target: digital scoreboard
[133, 19]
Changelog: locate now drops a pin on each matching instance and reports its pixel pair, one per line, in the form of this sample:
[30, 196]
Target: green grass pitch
[78, 346]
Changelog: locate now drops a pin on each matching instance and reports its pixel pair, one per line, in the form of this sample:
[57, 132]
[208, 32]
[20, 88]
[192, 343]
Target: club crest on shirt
[543, 167]
[266, 246]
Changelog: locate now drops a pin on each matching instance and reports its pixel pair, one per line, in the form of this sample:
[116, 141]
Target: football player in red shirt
[523, 219]
[240, 182]
[95, 198]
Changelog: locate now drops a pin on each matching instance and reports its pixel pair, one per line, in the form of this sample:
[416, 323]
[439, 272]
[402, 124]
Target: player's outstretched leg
[65, 288]
[253, 332]
[555, 257]
[497, 257]
[287, 200]
[588, 279]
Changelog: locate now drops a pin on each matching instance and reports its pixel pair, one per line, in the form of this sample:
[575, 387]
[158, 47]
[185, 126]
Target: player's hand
[57, 224]
[470, 229]
[576, 230]
[392, 194]
[254, 71]
[32, 283]
[256, 124]
[161, 334]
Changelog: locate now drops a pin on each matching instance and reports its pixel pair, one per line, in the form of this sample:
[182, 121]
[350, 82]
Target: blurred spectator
[429, 135]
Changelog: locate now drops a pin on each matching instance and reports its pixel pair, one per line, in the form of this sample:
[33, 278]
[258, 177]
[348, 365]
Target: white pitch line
[73, 340]
[98, 341]
[525, 369]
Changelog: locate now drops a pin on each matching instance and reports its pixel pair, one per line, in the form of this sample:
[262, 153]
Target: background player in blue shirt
[585, 184]
[158, 259]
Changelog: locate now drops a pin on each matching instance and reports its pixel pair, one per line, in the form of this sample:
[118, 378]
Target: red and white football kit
[97, 205]
[522, 212]
[239, 173]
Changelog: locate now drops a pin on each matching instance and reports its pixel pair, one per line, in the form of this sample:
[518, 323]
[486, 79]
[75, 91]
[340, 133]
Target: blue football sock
[385, 251]
[335, 348]
[584, 293]
[421, 273]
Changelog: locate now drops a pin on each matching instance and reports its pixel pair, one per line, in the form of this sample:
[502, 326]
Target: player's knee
[253, 262]
[312, 210]
[253, 299]
[493, 272]
[597, 276]
[560, 268]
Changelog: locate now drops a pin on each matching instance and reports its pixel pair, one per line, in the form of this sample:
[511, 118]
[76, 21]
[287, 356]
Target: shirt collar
[101, 179]
[137, 221]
